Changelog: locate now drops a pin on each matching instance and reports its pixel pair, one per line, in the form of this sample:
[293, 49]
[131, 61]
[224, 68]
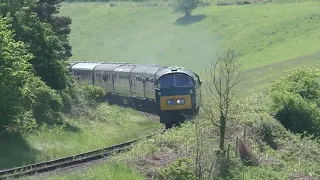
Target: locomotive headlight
[170, 102]
[180, 101]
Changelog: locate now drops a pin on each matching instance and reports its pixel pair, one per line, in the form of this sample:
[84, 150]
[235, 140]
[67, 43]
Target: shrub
[296, 100]
[180, 169]
[93, 93]
[45, 103]
[77, 98]
[269, 131]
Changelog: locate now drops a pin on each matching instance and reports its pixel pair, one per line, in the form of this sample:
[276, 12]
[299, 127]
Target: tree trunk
[188, 12]
[222, 131]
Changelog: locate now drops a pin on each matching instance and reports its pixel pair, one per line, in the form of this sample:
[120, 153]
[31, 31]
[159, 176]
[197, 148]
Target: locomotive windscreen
[175, 80]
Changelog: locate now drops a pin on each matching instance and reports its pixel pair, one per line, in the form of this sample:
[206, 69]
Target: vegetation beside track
[264, 56]
[100, 127]
[159, 157]
[43, 114]
[270, 38]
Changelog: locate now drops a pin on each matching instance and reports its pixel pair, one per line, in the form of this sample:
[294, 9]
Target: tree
[14, 73]
[221, 77]
[47, 11]
[48, 49]
[186, 6]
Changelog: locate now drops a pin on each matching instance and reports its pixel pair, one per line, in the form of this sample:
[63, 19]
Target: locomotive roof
[84, 66]
[109, 66]
[173, 69]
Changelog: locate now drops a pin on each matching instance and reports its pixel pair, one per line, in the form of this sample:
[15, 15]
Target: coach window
[104, 78]
[133, 82]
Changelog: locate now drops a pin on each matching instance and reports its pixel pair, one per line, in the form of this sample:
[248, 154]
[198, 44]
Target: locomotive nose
[175, 102]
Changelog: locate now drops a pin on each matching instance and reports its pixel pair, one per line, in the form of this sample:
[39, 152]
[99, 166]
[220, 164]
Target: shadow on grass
[15, 151]
[72, 128]
[185, 20]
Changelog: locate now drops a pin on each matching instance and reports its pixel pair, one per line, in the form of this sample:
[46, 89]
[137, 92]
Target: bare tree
[221, 78]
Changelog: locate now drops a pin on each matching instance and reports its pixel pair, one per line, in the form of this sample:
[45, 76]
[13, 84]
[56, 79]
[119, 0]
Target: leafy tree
[47, 11]
[14, 73]
[186, 6]
[23, 96]
[296, 100]
[49, 51]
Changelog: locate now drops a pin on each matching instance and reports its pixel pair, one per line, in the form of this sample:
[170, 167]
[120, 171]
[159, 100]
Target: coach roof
[84, 66]
[109, 66]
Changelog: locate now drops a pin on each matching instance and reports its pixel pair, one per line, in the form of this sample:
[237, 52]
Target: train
[171, 92]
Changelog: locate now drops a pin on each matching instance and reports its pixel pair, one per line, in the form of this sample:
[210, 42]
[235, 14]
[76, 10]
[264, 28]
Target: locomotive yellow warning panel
[175, 102]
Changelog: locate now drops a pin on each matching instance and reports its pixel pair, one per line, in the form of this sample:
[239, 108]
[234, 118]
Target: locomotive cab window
[182, 80]
[175, 80]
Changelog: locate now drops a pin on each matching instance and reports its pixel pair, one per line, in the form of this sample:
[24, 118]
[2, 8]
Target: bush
[296, 100]
[269, 131]
[77, 98]
[93, 93]
[180, 169]
[44, 102]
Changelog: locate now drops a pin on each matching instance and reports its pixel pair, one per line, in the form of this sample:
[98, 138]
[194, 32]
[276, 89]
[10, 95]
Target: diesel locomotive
[171, 92]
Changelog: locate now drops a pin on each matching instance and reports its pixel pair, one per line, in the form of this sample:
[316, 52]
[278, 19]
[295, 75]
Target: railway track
[68, 161]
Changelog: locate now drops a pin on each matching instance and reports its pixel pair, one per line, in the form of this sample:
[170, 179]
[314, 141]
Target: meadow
[270, 39]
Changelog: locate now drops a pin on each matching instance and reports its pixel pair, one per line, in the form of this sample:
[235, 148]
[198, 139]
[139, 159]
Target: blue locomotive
[171, 92]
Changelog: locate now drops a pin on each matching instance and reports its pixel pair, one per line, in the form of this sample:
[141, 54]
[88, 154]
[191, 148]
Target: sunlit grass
[103, 127]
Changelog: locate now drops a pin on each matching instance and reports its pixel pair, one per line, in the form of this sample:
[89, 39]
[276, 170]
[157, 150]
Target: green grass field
[106, 126]
[269, 38]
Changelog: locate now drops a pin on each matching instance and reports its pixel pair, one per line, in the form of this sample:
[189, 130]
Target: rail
[68, 161]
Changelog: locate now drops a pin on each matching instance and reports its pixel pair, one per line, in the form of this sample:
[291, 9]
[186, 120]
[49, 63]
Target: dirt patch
[301, 176]
[148, 165]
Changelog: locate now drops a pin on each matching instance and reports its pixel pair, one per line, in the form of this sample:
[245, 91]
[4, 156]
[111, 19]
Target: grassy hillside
[272, 36]
[99, 128]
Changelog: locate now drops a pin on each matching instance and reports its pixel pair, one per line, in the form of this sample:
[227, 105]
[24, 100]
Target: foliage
[44, 102]
[186, 6]
[49, 57]
[47, 11]
[296, 100]
[180, 169]
[34, 50]
[267, 130]
[14, 74]
[77, 98]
